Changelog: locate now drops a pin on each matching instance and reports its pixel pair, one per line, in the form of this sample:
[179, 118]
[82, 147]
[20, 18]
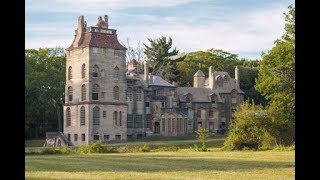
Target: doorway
[157, 128]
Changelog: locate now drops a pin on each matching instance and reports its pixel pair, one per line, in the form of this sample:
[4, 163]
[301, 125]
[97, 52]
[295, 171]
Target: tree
[202, 136]
[158, 54]
[250, 129]
[219, 59]
[44, 90]
[276, 81]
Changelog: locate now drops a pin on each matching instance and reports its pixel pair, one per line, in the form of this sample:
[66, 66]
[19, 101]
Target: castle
[109, 100]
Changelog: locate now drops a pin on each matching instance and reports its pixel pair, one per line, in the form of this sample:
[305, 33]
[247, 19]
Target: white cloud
[244, 35]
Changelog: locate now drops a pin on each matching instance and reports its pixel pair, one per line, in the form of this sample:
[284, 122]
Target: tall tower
[95, 103]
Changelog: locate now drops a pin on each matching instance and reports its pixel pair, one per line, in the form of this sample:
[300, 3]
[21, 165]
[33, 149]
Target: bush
[96, 147]
[202, 136]
[60, 150]
[251, 129]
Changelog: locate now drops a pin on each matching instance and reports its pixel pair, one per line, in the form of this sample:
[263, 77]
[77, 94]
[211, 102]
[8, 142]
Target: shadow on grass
[143, 163]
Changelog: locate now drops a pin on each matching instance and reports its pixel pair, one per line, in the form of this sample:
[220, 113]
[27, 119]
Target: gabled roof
[198, 94]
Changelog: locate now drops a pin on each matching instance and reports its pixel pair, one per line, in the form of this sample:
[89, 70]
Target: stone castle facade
[109, 100]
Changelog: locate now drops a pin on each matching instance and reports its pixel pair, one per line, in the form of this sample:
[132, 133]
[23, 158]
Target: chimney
[150, 78]
[146, 73]
[211, 78]
[106, 20]
[79, 32]
[236, 76]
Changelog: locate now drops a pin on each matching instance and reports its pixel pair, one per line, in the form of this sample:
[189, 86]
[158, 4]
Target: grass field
[164, 165]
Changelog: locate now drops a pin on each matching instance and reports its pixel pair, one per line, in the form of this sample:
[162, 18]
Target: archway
[157, 128]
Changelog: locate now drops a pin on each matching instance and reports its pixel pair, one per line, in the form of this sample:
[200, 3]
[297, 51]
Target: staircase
[56, 139]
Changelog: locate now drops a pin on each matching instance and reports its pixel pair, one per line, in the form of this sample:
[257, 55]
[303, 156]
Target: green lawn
[183, 164]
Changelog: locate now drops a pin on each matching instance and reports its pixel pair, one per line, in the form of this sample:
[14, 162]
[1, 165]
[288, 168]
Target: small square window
[106, 137]
[118, 137]
[147, 104]
[96, 137]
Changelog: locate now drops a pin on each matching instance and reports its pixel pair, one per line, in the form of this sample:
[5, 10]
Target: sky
[243, 27]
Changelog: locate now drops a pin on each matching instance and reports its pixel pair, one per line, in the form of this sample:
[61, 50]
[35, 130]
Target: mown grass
[183, 164]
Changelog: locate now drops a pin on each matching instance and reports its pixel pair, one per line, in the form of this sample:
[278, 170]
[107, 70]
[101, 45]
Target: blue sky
[243, 27]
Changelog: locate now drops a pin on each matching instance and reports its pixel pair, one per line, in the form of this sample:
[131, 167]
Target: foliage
[96, 147]
[44, 90]
[220, 60]
[250, 129]
[134, 53]
[276, 81]
[202, 136]
[158, 54]
[57, 150]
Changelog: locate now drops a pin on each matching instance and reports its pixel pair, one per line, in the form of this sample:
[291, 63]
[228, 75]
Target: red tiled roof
[101, 40]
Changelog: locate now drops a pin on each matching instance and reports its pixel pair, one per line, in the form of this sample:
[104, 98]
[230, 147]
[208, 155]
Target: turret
[198, 79]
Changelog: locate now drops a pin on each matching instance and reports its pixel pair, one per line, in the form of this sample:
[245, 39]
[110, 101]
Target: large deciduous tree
[44, 90]
[276, 81]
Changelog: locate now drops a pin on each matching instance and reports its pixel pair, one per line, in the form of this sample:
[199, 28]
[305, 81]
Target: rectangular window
[83, 137]
[211, 113]
[75, 137]
[129, 121]
[223, 123]
[118, 137]
[106, 137]
[147, 104]
[94, 96]
[199, 113]
[103, 94]
[96, 137]
[69, 137]
[138, 121]
[163, 124]
[163, 104]
[160, 92]
[104, 114]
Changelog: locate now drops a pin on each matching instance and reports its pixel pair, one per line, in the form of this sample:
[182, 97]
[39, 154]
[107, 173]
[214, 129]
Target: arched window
[116, 93]
[96, 115]
[83, 71]
[120, 118]
[70, 92]
[95, 72]
[129, 94]
[83, 92]
[68, 114]
[188, 98]
[82, 116]
[225, 78]
[219, 80]
[95, 92]
[70, 72]
[116, 72]
[115, 118]
[213, 99]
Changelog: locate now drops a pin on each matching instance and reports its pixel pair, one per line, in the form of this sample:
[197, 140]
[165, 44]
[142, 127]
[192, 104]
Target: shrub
[202, 136]
[60, 150]
[96, 147]
[251, 129]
